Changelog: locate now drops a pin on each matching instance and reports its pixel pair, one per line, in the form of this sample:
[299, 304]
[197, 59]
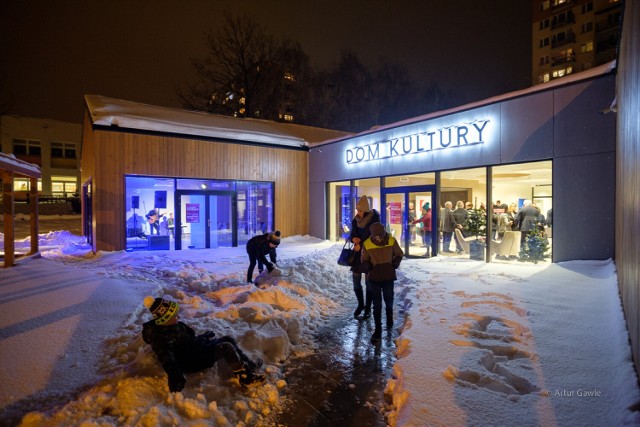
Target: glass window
[410, 180]
[462, 207]
[513, 187]
[142, 196]
[254, 209]
[63, 186]
[339, 194]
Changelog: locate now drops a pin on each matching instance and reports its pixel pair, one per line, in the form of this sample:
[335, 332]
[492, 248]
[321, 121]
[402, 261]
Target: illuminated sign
[461, 135]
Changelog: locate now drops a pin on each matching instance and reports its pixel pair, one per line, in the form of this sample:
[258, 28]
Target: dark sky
[54, 52]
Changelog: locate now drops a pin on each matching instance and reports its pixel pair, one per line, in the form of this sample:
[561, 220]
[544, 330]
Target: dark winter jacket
[258, 247]
[461, 215]
[178, 348]
[360, 228]
[448, 221]
[527, 218]
[384, 258]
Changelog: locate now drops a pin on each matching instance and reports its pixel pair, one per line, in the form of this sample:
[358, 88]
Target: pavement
[343, 382]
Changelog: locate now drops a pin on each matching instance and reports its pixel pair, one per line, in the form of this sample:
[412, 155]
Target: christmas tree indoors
[535, 245]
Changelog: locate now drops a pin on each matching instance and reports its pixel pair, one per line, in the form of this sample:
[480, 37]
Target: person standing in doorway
[425, 228]
[360, 231]
[382, 252]
[448, 226]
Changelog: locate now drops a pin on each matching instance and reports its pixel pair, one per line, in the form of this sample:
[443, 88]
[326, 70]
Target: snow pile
[501, 344]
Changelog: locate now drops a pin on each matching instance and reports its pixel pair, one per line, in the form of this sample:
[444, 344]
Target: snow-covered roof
[106, 111]
[9, 162]
[572, 78]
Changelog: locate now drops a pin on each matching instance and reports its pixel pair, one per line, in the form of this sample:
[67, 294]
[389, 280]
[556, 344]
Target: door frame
[207, 194]
[405, 219]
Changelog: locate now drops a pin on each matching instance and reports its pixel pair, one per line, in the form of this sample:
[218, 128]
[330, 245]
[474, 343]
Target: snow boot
[360, 298]
[377, 335]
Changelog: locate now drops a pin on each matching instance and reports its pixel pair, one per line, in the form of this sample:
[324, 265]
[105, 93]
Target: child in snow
[179, 350]
[257, 248]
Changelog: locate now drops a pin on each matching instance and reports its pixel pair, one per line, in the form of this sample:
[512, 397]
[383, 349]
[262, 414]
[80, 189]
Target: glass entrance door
[205, 220]
[404, 205]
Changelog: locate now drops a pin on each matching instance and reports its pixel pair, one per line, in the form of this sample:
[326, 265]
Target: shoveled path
[342, 383]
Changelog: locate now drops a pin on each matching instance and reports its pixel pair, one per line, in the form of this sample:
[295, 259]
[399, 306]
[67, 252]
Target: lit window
[587, 47]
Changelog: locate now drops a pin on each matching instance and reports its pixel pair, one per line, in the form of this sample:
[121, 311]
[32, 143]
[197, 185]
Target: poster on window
[193, 212]
[395, 213]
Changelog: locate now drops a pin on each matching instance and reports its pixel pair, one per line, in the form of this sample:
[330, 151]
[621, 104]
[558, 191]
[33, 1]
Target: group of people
[377, 256]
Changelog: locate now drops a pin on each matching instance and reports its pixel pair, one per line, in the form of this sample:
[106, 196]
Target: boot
[377, 335]
[389, 318]
[360, 298]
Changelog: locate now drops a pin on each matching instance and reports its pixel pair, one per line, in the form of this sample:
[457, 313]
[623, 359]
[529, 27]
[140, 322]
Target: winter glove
[176, 382]
[270, 267]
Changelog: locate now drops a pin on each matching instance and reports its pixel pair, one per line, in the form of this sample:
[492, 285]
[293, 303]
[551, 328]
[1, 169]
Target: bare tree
[246, 73]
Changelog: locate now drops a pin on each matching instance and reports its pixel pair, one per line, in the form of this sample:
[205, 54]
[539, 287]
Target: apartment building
[569, 36]
[53, 145]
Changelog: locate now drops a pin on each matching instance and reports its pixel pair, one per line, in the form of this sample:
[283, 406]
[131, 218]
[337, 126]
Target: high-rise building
[569, 36]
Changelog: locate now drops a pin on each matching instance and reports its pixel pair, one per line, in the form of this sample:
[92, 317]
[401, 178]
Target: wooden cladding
[108, 156]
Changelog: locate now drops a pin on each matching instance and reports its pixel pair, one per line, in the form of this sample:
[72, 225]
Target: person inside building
[382, 256]
[365, 216]
[179, 350]
[424, 228]
[153, 218]
[258, 247]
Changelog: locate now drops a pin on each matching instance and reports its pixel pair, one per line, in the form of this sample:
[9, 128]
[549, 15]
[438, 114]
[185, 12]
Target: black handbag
[347, 254]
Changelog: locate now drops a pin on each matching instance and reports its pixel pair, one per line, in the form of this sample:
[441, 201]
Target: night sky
[54, 52]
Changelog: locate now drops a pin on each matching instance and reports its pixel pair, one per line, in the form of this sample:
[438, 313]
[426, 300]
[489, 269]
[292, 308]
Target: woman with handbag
[360, 225]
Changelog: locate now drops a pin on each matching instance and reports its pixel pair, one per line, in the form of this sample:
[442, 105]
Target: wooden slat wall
[119, 153]
[628, 174]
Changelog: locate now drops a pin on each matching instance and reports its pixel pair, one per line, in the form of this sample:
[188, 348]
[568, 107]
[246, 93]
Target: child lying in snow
[179, 350]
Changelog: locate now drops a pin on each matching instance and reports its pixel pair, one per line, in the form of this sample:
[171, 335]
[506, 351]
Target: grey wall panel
[527, 128]
[584, 207]
[317, 210]
[579, 126]
[628, 170]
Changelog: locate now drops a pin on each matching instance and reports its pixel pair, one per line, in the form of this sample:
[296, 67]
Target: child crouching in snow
[179, 350]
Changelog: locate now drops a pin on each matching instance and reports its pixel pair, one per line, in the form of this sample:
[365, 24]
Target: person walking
[365, 216]
[179, 350]
[258, 247]
[382, 254]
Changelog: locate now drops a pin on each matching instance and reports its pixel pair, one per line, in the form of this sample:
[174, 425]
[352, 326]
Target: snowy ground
[482, 344]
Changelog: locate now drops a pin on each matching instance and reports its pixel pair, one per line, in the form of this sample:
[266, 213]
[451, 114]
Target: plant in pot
[476, 226]
[535, 245]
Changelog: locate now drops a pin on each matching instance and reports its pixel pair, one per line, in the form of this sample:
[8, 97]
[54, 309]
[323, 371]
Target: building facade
[569, 36]
[550, 145]
[53, 145]
[159, 178]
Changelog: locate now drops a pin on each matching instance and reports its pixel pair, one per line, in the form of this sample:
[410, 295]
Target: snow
[9, 162]
[119, 113]
[482, 344]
